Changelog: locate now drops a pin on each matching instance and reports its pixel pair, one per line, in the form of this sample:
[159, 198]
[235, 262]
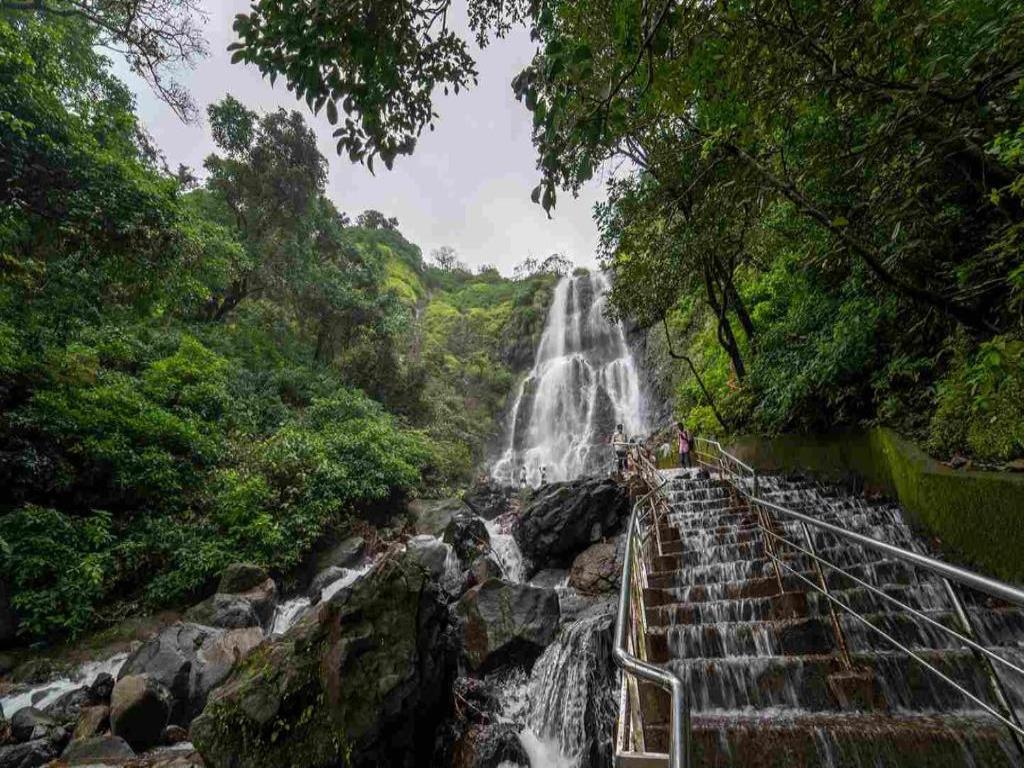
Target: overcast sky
[468, 184]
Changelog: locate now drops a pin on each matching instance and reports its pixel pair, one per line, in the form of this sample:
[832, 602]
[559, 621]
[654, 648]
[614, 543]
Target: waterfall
[583, 382]
[566, 706]
[507, 551]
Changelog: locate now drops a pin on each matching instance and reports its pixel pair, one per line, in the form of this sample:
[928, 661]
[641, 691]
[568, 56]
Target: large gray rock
[430, 553]
[139, 709]
[500, 622]
[468, 535]
[98, 750]
[597, 570]
[344, 554]
[563, 519]
[28, 755]
[67, 706]
[432, 516]
[189, 660]
[324, 579]
[92, 721]
[246, 597]
[29, 724]
[360, 679]
[224, 610]
[488, 499]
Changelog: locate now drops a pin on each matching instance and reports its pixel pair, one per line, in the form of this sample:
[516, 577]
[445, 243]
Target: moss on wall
[978, 517]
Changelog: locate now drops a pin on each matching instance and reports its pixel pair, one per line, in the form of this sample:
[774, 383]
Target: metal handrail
[968, 578]
[949, 573]
[679, 735]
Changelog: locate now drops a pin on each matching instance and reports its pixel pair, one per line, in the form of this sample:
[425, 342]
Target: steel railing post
[837, 628]
[995, 682]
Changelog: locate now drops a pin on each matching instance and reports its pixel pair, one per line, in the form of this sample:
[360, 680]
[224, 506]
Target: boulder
[488, 499]
[28, 755]
[483, 568]
[225, 611]
[597, 570]
[431, 516]
[490, 745]
[467, 534]
[500, 622]
[246, 597]
[563, 519]
[431, 554]
[101, 688]
[139, 708]
[98, 750]
[92, 721]
[344, 554]
[30, 724]
[67, 706]
[323, 579]
[360, 679]
[189, 660]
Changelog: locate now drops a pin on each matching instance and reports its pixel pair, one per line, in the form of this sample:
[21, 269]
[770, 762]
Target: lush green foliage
[826, 203]
[193, 374]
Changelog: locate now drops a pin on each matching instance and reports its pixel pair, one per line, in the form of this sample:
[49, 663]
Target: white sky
[467, 185]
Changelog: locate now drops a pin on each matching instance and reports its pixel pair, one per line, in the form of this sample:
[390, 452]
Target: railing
[643, 540]
[744, 479]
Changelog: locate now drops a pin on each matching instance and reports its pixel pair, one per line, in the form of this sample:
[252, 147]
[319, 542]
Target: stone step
[841, 740]
[808, 683]
[811, 635]
[798, 603]
[876, 572]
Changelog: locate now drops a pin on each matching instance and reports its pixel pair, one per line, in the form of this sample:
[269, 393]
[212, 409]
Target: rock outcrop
[343, 554]
[431, 516]
[500, 622]
[98, 750]
[139, 708]
[467, 535]
[598, 569]
[489, 500]
[246, 597]
[360, 679]
[563, 519]
[189, 660]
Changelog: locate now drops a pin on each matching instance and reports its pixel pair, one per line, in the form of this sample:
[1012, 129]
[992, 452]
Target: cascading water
[584, 381]
[566, 706]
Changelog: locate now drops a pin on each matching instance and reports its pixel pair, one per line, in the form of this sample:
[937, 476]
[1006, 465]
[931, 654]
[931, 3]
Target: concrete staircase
[758, 648]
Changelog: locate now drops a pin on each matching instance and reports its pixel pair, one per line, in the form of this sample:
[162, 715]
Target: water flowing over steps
[767, 685]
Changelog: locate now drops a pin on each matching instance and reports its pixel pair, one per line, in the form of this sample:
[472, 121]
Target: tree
[371, 219]
[446, 259]
[155, 36]
[266, 186]
[555, 264]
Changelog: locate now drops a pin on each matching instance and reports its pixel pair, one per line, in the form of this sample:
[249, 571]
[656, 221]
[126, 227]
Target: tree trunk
[693, 369]
[726, 337]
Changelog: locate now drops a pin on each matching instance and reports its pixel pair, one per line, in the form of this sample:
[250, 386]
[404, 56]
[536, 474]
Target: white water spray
[583, 382]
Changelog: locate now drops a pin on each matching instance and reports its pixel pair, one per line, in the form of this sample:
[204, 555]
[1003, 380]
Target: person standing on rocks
[685, 443]
[621, 446]
[522, 478]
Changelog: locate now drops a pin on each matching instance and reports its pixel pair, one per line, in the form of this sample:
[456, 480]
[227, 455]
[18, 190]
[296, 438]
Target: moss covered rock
[360, 680]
